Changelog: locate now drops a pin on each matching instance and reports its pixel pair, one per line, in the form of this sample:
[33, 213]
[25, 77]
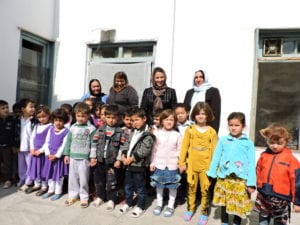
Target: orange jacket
[278, 174]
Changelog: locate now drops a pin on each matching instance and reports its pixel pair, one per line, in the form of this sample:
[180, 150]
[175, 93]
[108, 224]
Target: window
[278, 82]
[34, 72]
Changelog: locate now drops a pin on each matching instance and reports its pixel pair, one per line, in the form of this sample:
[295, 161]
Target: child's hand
[117, 164]
[296, 208]
[37, 153]
[93, 162]
[152, 168]
[32, 152]
[53, 157]
[123, 158]
[182, 168]
[250, 190]
[67, 159]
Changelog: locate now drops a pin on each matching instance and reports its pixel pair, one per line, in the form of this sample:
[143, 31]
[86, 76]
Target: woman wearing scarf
[122, 94]
[204, 92]
[95, 91]
[159, 96]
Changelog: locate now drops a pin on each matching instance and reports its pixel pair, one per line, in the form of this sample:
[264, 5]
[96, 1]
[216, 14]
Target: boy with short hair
[77, 153]
[7, 129]
[136, 154]
[106, 143]
[182, 115]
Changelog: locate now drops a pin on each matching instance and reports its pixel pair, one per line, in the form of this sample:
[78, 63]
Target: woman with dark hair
[159, 96]
[95, 91]
[204, 92]
[122, 93]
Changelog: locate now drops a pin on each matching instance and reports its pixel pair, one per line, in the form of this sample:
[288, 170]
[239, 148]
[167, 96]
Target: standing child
[183, 122]
[7, 132]
[136, 157]
[69, 110]
[196, 154]
[278, 178]
[233, 165]
[98, 118]
[55, 169]
[155, 119]
[164, 162]
[37, 150]
[26, 124]
[106, 142]
[77, 153]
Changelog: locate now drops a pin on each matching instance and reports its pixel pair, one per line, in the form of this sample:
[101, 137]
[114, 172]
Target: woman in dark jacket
[204, 92]
[159, 96]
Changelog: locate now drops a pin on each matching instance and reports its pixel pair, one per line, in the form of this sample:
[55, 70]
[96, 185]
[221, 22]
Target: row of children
[230, 160]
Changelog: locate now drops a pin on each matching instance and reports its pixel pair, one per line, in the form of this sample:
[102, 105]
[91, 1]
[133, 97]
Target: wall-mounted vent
[272, 47]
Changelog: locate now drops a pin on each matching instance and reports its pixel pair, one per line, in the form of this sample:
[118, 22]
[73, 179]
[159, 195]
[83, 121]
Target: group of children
[96, 147]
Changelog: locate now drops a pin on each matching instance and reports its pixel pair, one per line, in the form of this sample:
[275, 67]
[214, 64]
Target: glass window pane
[138, 51]
[104, 52]
[288, 47]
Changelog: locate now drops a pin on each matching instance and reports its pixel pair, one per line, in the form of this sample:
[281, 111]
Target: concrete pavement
[18, 208]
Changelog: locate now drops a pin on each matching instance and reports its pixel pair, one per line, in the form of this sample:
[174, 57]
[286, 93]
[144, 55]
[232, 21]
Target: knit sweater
[78, 145]
[166, 149]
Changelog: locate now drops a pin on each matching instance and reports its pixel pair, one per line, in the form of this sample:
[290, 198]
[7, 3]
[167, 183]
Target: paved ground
[18, 208]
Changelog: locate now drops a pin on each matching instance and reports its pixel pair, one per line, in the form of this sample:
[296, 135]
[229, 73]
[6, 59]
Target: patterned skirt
[231, 192]
[165, 179]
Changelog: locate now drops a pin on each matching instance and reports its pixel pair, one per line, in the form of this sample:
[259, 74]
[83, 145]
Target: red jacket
[278, 174]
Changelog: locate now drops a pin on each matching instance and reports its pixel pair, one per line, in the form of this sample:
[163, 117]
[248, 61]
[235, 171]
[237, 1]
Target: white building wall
[35, 16]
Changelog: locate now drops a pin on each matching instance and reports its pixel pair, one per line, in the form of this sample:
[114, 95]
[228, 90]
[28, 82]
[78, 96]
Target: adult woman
[95, 91]
[122, 94]
[204, 92]
[159, 96]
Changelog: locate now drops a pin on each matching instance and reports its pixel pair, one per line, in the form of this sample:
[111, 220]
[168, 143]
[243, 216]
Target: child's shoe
[224, 223]
[203, 220]
[41, 192]
[157, 210]
[84, 204]
[124, 209]
[168, 212]
[32, 189]
[7, 184]
[97, 202]
[55, 197]
[47, 195]
[187, 216]
[110, 205]
[137, 212]
[24, 187]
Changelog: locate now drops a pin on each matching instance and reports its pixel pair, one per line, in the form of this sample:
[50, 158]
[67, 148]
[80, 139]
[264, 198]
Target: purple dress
[56, 169]
[37, 162]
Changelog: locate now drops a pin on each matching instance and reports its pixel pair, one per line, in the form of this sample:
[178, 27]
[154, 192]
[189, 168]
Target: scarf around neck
[158, 92]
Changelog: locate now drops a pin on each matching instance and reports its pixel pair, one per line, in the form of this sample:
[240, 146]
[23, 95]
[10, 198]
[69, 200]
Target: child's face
[43, 118]
[235, 127]
[156, 121]
[201, 118]
[58, 124]
[127, 121]
[138, 122]
[4, 111]
[82, 118]
[102, 114]
[98, 112]
[111, 120]
[181, 114]
[89, 103]
[168, 123]
[277, 146]
[28, 110]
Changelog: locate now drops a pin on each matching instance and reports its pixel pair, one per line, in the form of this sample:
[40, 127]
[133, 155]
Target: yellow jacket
[197, 150]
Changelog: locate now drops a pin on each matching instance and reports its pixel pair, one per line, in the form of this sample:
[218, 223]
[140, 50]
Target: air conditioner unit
[272, 47]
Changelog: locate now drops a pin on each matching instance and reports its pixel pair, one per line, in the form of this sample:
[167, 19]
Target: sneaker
[157, 210]
[168, 212]
[24, 187]
[203, 220]
[137, 212]
[125, 208]
[110, 205]
[7, 184]
[97, 202]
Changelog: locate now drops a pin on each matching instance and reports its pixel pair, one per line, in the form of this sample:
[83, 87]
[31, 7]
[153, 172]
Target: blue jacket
[234, 156]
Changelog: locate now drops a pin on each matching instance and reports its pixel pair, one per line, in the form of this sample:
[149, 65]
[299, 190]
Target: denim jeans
[266, 221]
[135, 182]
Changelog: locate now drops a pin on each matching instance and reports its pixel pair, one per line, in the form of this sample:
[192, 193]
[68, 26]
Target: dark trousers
[105, 181]
[6, 161]
[135, 181]
[225, 217]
